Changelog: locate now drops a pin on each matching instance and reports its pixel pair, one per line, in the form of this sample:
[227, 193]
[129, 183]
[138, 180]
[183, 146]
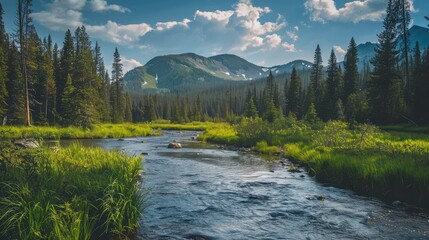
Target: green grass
[97, 131]
[192, 126]
[68, 193]
[389, 165]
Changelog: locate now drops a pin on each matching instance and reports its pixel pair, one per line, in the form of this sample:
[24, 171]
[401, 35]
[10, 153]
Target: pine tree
[14, 84]
[384, 88]
[250, 110]
[67, 103]
[294, 94]
[316, 78]
[311, 115]
[118, 99]
[65, 67]
[85, 81]
[316, 70]
[332, 83]
[351, 74]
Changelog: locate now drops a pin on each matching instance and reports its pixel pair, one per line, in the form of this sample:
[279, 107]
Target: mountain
[300, 65]
[165, 73]
[419, 34]
[172, 71]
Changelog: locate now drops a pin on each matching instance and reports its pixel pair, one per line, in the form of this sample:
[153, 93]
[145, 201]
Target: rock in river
[174, 145]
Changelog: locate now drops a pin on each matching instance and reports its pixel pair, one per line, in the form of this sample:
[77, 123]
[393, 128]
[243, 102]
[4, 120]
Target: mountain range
[165, 73]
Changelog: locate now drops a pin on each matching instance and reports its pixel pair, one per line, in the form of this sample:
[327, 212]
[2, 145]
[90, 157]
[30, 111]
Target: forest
[44, 83]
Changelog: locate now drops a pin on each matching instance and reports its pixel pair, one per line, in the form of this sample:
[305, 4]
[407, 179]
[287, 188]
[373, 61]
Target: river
[202, 192]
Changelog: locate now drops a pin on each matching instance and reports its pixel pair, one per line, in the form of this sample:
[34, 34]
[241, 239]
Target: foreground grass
[361, 157]
[69, 193]
[97, 131]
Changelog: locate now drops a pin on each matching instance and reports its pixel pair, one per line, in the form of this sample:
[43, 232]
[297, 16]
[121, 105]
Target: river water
[201, 192]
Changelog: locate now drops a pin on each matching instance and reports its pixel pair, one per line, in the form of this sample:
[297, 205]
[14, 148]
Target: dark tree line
[69, 84]
[41, 83]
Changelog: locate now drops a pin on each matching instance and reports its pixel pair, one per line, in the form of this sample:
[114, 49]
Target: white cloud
[273, 40]
[102, 5]
[61, 14]
[162, 26]
[129, 64]
[292, 35]
[296, 28]
[352, 11]
[289, 47]
[340, 50]
[218, 16]
[121, 34]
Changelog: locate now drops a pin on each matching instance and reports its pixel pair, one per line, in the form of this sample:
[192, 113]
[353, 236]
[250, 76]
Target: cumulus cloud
[129, 64]
[61, 14]
[218, 16]
[162, 26]
[273, 40]
[352, 11]
[340, 50]
[240, 30]
[102, 5]
[117, 33]
[289, 47]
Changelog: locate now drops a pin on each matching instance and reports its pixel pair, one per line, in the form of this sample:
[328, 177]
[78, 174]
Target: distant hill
[300, 65]
[166, 73]
[171, 71]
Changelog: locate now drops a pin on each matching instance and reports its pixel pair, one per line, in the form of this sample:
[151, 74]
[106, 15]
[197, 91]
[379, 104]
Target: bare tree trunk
[22, 41]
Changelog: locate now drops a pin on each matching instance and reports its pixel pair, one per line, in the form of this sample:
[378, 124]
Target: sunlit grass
[360, 157]
[96, 131]
[69, 193]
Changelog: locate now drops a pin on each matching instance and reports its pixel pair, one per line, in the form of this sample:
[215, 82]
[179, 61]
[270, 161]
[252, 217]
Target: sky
[264, 32]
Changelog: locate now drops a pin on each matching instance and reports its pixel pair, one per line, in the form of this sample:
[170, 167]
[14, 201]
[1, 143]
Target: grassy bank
[192, 126]
[97, 131]
[360, 157]
[68, 193]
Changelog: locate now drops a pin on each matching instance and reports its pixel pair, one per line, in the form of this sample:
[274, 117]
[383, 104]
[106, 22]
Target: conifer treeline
[394, 91]
[67, 86]
[70, 85]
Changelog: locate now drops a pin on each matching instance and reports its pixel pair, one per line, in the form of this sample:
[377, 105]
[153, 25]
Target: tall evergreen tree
[14, 84]
[351, 73]
[315, 95]
[332, 85]
[384, 88]
[65, 68]
[294, 94]
[85, 81]
[316, 70]
[118, 107]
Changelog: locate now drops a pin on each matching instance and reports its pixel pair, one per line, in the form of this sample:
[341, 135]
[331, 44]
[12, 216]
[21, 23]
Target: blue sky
[265, 32]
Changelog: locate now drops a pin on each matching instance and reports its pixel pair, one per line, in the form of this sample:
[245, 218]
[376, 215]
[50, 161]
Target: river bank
[68, 193]
[358, 157]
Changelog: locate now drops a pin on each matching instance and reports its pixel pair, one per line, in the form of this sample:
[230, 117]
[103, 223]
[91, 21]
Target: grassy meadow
[68, 193]
[393, 166]
[104, 130]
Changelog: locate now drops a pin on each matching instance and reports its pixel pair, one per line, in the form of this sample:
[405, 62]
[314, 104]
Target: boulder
[26, 143]
[175, 145]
